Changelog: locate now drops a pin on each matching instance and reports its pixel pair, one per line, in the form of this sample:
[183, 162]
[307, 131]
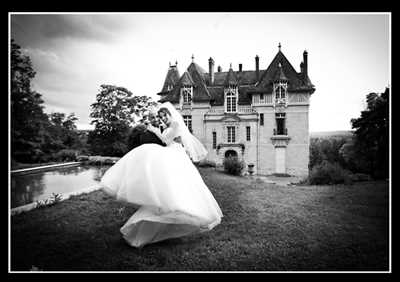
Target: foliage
[372, 134]
[233, 165]
[326, 149]
[35, 136]
[328, 173]
[29, 122]
[54, 199]
[113, 114]
[66, 155]
[206, 163]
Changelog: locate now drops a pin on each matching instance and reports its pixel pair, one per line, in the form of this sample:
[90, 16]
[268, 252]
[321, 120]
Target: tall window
[248, 133]
[188, 122]
[231, 98]
[280, 124]
[214, 140]
[187, 94]
[231, 134]
[261, 119]
[280, 93]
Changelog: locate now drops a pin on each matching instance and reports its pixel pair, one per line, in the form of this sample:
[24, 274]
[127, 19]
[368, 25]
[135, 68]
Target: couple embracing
[160, 177]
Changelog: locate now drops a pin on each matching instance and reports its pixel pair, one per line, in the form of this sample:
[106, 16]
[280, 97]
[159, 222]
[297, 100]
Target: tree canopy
[372, 134]
[113, 116]
[35, 136]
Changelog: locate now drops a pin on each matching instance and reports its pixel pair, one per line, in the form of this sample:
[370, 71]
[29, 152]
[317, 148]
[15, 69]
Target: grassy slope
[265, 227]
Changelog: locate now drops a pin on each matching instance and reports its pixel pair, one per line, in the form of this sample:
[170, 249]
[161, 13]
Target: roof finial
[176, 62]
[279, 46]
[192, 58]
[230, 65]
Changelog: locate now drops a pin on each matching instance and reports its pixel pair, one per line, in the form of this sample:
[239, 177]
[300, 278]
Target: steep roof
[230, 78]
[186, 79]
[171, 78]
[296, 81]
[279, 69]
[280, 75]
[194, 76]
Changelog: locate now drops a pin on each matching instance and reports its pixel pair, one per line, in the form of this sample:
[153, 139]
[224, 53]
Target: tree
[63, 131]
[28, 121]
[372, 134]
[113, 114]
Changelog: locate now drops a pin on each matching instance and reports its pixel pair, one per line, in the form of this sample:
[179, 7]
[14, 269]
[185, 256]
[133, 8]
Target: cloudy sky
[73, 54]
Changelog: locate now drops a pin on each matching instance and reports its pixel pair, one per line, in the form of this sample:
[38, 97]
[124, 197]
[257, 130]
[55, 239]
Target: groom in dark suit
[140, 135]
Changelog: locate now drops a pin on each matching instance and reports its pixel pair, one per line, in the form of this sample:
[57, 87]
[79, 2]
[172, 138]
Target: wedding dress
[174, 200]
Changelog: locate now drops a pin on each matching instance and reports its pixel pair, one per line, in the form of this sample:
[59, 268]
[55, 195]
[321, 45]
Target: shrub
[328, 173]
[82, 158]
[66, 155]
[206, 163]
[360, 177]
[233, 166]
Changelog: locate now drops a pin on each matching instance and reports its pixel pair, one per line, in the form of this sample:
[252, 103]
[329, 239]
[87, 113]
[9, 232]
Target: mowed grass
[265, 228]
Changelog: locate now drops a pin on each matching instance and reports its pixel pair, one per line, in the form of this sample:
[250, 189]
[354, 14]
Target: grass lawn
[265, 228]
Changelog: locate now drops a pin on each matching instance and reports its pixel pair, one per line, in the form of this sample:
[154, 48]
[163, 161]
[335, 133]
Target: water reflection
[33, 187]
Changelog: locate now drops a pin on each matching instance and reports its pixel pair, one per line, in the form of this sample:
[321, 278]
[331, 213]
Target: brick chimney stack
[211, 70]
[240, 67]
[257, 67]
[305, 62]
[219, 69]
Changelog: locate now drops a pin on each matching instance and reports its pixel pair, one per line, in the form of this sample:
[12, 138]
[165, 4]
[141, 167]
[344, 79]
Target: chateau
[260, 116]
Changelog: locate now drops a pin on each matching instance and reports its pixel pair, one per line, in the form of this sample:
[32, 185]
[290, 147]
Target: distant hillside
[331, 134]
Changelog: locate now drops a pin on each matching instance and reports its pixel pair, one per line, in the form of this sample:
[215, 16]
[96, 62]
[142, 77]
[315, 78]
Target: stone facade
[266, 123]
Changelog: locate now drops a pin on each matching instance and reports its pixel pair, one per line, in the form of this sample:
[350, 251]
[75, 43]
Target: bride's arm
[168, 135]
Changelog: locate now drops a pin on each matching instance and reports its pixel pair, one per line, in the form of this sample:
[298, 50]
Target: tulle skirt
[174, 200]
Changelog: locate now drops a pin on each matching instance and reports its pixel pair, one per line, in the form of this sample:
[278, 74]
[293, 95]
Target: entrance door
[280, 157]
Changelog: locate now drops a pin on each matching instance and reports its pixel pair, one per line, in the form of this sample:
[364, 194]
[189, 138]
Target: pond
[38, 186]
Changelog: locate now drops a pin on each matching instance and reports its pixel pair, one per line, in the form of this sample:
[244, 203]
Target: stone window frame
[187, 94]
[231, 94]
[214, 139]
[280, 97]
[188, 122]
[231, 134]
[248, 133]
[280, 116]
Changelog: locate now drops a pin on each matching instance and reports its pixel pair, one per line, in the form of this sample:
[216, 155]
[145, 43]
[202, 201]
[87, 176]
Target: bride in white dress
[174, 200]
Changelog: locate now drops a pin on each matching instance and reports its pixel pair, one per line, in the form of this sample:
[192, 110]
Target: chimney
[211, 70]
[219, 69]
[240, 67]
[305, 62]
[257, 67]
[301, 67]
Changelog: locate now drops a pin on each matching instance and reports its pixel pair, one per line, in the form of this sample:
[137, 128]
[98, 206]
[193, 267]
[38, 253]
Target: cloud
[34, 29]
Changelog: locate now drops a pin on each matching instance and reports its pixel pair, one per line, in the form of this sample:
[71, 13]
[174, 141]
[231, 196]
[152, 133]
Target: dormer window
[280, 93]
[231, 99]
[187, 94]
